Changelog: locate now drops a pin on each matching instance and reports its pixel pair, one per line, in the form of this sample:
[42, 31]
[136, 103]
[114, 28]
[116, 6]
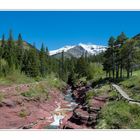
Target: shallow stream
[59, 112]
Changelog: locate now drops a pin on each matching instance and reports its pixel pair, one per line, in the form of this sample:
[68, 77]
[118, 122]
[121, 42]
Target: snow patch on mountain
[89, 48]
[65, 49]
[93, 49]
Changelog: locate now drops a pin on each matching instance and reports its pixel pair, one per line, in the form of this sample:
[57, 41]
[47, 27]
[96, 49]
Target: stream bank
[77, 113]
[84, 116]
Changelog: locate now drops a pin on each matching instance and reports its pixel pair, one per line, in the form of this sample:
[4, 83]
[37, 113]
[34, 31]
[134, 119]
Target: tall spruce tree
[81, 67]
[3, 41]
[129, 55]
[10, 39]
[121, 39]
[43, 59]
[32, 63]
[111, 44]
[20, 41]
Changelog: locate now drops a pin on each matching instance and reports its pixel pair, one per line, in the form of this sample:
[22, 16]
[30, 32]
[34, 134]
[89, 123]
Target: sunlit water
[58, 116]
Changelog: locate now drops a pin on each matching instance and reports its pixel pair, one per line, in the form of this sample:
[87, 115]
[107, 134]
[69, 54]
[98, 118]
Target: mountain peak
[78, 50]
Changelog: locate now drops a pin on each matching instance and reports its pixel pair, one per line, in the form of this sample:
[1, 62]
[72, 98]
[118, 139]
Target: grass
[40, 91]
[15, 77]
[1, 97]
[101, 91]
[132, 85]
[113, 95]
[119, 115]
[53, 81]
[40, 88]
[89, 95]
[23, 113]
[37, 92]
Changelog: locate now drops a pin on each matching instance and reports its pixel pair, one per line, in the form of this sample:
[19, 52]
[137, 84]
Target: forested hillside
[18, 55]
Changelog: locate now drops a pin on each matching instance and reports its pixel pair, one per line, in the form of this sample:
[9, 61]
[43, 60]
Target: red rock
[40, 113]
[9, 103]
[81, 113]
[71, 125]
[65, 119]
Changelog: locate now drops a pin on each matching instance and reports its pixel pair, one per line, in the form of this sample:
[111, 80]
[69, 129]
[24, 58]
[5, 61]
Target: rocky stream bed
[77, 114]
[62, 111]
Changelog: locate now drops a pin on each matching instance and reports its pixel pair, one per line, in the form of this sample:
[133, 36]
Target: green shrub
[23, 113]
[119, 114]
[132, 85]
[1, 97]
[16, 77]
[4, 68]
[90, 94]
[53, 81]
[37, 92]
[95, 71]
[113, 95]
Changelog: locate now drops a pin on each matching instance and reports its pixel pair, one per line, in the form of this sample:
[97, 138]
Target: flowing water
[59, 113]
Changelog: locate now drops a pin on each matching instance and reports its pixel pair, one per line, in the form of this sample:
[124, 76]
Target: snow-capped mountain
[78, 50]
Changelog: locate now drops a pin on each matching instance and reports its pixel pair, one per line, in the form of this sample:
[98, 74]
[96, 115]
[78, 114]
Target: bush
[132, 85]
[16, 77]
[1, 97]
[4, 68]
[119, 115]
[90, 94]
[95, 71]
[37, 92]
[113, 95]
[53, 81]
[23, 113]
[102, 90]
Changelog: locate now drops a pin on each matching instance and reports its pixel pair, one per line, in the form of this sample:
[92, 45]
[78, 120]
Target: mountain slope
[78, 50]
[26, 45]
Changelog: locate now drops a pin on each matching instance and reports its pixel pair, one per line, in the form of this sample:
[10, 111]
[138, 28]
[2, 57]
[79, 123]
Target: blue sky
[59, 28]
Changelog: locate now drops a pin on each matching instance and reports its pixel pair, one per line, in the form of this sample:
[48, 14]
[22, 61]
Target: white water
[58, 113]
[56, 123]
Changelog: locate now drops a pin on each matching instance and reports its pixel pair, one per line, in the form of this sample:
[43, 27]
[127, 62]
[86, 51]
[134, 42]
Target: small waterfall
[55, 124]
[58, 116]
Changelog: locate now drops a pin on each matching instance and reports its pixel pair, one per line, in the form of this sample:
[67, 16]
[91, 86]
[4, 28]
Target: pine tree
[107, 64]
[62, 72]
[81, 67]
[47, 53]
[43, 59]
[119, 42]
[111, 43]
[3, 41]
[31, 63]
[129, 55]
[20, 41]
[10, 39]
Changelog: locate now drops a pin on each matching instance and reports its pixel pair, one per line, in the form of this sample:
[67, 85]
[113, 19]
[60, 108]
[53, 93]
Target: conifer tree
[3, 41]
[119, 43]
[32, 63]
[10, 39]
[42, 56]
[111, 44]
[129, 55]
[20, 41]
[81, 67]
[108, 62]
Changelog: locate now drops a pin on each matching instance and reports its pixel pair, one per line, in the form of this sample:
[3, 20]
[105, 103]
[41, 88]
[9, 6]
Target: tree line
[16, 55]
[120, 56]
